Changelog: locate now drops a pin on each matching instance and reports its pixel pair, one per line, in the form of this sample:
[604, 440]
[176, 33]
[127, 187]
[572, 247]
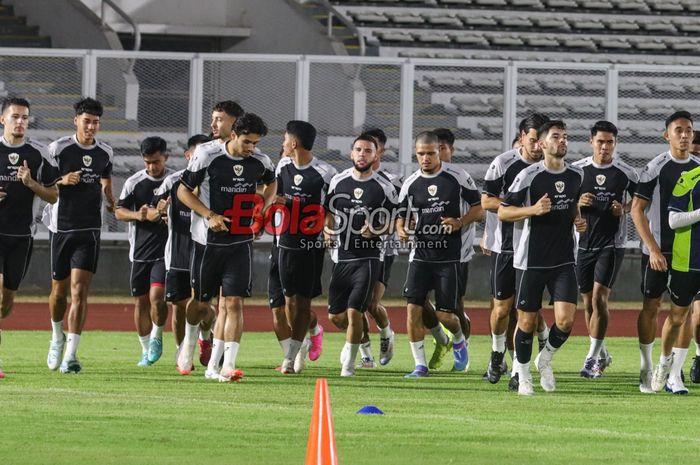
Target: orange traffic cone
[321, 447]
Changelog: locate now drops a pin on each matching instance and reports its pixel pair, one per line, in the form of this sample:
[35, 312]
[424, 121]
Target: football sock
[523, 346]
[56, 331]
[439, 334]
[418, 351]
[144, 340]
[72, 341]
[645, 356]
[498, 342]
[679, 356]
[594, 350]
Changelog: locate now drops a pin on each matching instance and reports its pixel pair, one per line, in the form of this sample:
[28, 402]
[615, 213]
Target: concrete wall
[113, 273]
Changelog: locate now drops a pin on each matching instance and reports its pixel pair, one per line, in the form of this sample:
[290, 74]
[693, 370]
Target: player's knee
[601, 304]
[339, 320]
[5, 309]
[501, 308]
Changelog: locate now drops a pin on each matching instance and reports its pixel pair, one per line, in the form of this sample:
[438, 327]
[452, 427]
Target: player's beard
[362, 169]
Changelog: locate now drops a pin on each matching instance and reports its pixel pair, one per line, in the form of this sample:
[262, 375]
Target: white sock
[511, 352]
[498, 342]
[548, 352]
[439, 334]
[72, 341]
[522, 369]
[284, 344]
[351, 351]
[385, 332]
[217, 350]
[458, 337]
[603, 349]
[316, 330]
[544, 335]
[594, 350]
[157, 332]
[645, 353]
[679, 356]
[697, 349]
[230, 353]
[56, 331]
[418, 351]
[204, 335]
[665, 359]
[365, 350]
[144, 340]
[190, 336]
[294, 347]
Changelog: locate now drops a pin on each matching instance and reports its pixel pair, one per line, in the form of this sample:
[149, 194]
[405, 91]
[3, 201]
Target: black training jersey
[448, 193]
[79, 207]
[390, 240]
[499, 177]
[545, 241]
[304, 189]
[656, 183]
[17, 210]
[227, 186]
[615, 181]
[355, 202]
[179, 244]
[146, 238]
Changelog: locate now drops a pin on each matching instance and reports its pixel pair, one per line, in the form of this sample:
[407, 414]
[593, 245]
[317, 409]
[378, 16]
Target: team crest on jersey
[432, 190]
[238, 169]
[87, 160]
[559, 186]
[358, 193]
[600, 179]
[298, 179]
[14, 158]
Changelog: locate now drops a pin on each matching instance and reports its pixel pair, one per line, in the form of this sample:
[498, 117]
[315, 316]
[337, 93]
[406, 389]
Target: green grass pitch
[116, 413]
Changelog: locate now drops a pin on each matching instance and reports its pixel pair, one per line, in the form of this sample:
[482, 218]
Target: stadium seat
[689, 27]
[621, 25]
[580, 42]
[433, 37]
[532, 4]
[406, 18]
[470, 40]
[515, 21]
[470, 20]
[666, 5]
[596, 4]
[441, 20]
[661, 26]
[592, 24]
[551, 23]
[561, 3]
[369, 17]
[394, 36]
[491, 3]
[543, 41]
[631, 5]
[510, 41]
[614, 43]
[649, 44]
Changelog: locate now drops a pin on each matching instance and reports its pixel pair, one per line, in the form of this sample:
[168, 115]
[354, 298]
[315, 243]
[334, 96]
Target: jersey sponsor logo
[87, 160]
[358, 193]
[14, 158]
[238, 169]
[559, 186]
[600, 179]
[298, 179]
[432, 189]
[155, 191]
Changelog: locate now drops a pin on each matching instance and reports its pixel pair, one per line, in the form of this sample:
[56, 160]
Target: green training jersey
[686, 243]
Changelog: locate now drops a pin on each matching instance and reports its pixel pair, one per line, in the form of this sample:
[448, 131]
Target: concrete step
[25, 41]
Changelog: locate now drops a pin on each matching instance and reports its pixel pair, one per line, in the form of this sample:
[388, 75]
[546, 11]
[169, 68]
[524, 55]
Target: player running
[26, 173]
[542, 201]
[83, 175]
[608, 186]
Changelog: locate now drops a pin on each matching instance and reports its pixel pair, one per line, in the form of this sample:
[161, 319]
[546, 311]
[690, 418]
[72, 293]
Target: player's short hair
[229, 107]
[534, 121]
[153, 144]
[19, 101]
[303, 131]
[88, 105]
[250, 123]
[696, 138]
[603, 126]
[365, 136]
[680, 114]
[544, 129]
[445, 135]
[377, 133]
[515, 140]
[197, 139]
[427, 137]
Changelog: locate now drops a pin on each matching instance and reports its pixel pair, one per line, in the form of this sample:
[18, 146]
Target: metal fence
[171, 95]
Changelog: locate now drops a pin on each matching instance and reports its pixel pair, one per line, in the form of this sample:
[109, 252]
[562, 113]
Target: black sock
[523, 346]
[557, 337]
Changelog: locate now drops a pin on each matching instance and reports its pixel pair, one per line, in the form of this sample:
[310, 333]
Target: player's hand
[3, 195]
[218, 223]
[366, 231]
[412, 224]
[455, 224]
[482, 244]
[24, 174]
[402, 234]
[280, 200]
[543, 206]
[70, 179]
[111, 204]
[162, 206]
[143, 213]
[580, 224]
[616, 208]
[657, 261]
[586, 199]
[152, 214]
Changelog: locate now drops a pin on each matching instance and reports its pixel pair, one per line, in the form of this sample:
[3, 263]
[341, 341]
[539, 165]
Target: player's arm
[514, 213]
[677, 220]
[269, 193]
[493, 187]
[401, 229]
[490, 203]
[678, 205]
[47, 194]
[329, 226]
[656, 259]
[107, 191]
[144, 213]
[216, 222]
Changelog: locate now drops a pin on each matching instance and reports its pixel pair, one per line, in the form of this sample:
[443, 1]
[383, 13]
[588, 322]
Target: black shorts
[177, 285]
[74, 250]
[351, 285]
[654, 283]
[560, 281]
[385, 269]
[145, 275]
[15, 253]
[274, 285]
[463, 278]
[226, 267]
[684, 287]
[502, 276]
[600, 266]
[300, 272]
[444, 278]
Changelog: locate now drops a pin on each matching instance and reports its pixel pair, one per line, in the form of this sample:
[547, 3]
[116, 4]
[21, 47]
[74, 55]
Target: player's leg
[276, 300]
[298, 277]
[442, 341]
[675, 383]
[597, 328]
[206, 335]
[139, 285]
[158, 310]
[379, 313]
[58, 298]
[338, 295]
[315, 329]
[416, 288]
[233, 330]
[653, 286]
[695, 368]
[448, 295]
[361, 279]
[503, 292]
[585, 275]
[217, 352]
[77, 313]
